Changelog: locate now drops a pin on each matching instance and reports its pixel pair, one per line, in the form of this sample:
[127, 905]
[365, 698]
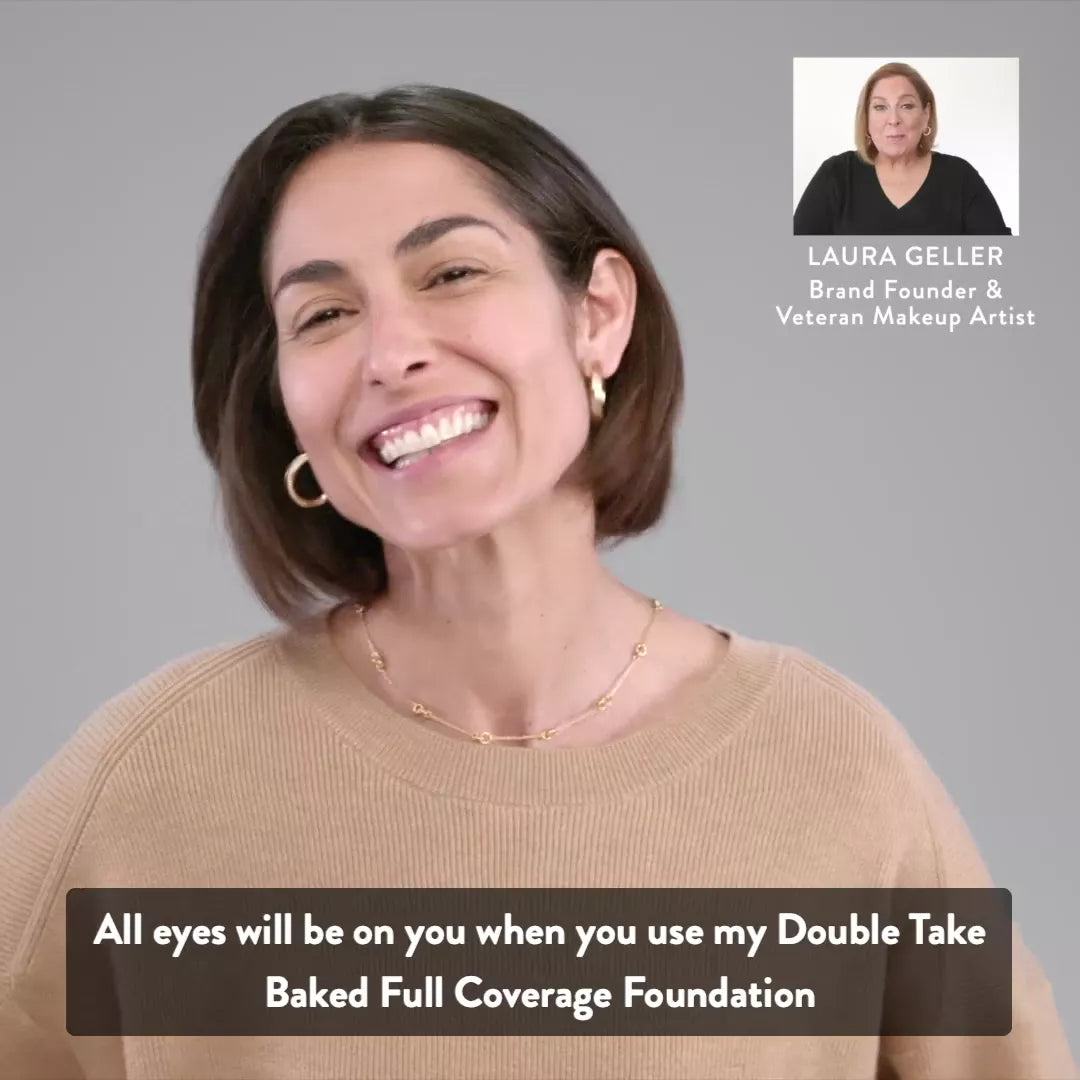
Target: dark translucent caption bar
[947, 971]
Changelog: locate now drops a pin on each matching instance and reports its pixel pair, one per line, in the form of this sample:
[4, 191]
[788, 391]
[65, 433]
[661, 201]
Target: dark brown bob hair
[295, 558]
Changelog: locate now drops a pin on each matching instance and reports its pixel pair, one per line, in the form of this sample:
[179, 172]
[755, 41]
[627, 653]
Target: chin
[431, 535]
[443, 530]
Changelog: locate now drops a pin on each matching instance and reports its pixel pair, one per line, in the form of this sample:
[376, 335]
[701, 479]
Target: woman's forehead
[893, 86]
[379, 176]
[374, 195]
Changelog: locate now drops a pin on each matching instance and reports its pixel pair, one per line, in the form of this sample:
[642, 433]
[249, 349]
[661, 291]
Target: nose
[396, 347]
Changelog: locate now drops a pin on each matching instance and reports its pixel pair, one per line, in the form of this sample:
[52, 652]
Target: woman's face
[896, 118]
[461, 329]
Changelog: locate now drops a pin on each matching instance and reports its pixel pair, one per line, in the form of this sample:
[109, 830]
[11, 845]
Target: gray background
[900, 503]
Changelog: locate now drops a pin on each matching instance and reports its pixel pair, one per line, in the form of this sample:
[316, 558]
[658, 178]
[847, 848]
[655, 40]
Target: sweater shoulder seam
[851, 692]
[207, 664]
[869, 706]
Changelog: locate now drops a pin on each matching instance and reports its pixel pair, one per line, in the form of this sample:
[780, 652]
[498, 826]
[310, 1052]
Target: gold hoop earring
[597, 396]
[295, 466]
[926, 132]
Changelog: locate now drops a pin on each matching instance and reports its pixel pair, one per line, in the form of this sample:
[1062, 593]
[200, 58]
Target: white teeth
[408, 459]
[414, 444]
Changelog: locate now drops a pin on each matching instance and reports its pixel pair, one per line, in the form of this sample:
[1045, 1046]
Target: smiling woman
[894, 182]
[435, 373]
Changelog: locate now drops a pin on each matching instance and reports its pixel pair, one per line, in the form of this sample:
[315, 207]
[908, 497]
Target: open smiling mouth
[401, 447]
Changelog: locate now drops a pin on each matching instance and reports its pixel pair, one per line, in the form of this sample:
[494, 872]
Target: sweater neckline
[700, 722]
[915, 194]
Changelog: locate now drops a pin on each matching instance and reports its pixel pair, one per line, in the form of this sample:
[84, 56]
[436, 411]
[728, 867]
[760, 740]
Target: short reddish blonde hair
[863, 146]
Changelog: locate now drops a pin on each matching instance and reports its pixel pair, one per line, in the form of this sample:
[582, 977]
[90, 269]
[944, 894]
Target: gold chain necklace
[599, 705]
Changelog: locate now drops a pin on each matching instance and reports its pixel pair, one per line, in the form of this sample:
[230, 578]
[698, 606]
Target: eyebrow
[423, 235]
[878, 97]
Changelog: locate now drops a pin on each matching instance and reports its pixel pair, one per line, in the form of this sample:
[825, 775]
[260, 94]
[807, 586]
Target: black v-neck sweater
[844, 198]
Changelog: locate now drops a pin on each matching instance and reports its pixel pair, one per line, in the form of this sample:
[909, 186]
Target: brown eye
[321, 318]
[467, 271]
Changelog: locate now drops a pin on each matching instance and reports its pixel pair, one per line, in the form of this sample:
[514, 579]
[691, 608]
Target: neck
[904, 163]
[513, 632]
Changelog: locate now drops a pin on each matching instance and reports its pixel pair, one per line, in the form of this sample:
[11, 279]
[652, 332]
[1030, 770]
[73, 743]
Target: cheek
[312, 390]
[561, 415]
[547, 392]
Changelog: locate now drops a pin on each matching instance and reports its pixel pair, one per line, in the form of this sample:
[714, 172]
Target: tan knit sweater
[267, 764]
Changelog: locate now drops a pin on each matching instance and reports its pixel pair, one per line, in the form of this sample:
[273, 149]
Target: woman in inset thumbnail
[894, 181]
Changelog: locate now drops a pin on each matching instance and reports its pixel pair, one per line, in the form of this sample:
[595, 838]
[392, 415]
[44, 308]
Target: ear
[605, 314]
